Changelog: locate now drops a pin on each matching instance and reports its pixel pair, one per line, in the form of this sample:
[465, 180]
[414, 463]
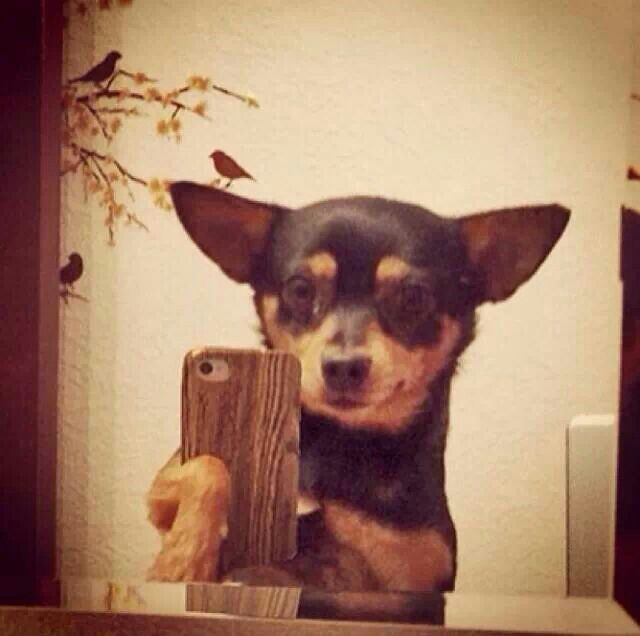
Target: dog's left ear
[507, 246]
[231, 230]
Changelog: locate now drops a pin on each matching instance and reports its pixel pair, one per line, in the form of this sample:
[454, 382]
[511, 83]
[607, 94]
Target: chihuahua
[378, 300]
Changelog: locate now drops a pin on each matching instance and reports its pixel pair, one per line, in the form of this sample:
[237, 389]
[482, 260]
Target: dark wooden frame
[30, 61]
[627, 538]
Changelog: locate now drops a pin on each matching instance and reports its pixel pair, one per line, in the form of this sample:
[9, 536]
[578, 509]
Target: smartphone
[243, 406]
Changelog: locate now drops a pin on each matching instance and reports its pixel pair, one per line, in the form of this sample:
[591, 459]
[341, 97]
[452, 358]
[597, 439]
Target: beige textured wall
[632, 194]
[457, 106]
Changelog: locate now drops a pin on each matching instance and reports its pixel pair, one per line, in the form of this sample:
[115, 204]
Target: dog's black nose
[345, 373]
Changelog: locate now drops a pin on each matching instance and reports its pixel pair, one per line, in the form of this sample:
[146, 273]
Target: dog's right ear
[507, 246]
[229, 229]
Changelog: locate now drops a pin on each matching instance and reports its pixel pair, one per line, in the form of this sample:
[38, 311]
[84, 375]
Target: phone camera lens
[214, 369]
[206, 368]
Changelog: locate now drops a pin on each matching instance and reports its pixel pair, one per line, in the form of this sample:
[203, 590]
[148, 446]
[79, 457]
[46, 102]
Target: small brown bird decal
[101, 71]
[228, 168]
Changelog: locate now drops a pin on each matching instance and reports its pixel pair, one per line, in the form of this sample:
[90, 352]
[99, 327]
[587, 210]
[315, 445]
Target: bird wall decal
[228, 167]
[72, 271]
[101, 71]
[70, 274]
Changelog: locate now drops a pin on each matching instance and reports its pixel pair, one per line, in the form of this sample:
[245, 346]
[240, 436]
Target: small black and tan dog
[378, 300]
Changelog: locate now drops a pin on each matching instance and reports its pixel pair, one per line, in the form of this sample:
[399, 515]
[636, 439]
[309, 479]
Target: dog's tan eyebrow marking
[391, 268]
[322, 265]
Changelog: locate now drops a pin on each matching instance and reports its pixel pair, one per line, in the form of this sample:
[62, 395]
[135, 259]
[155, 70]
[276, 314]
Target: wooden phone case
[243, 406]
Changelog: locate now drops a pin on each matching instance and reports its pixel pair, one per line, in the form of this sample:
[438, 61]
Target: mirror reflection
[360, 187]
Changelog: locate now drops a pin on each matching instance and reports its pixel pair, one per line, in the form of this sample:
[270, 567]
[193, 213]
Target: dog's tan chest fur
[401, 560]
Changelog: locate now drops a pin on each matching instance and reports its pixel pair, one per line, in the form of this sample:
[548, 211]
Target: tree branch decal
[96, 106]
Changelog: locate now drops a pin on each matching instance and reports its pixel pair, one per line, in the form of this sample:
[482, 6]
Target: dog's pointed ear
[506, 247]
[229, 229]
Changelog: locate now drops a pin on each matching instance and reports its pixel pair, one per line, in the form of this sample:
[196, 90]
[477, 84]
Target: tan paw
[187, 554]
[191, 547]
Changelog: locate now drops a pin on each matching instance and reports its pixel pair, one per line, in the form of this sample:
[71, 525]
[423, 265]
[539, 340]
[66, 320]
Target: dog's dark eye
[299, 295]
[414, 298]
[407, 304]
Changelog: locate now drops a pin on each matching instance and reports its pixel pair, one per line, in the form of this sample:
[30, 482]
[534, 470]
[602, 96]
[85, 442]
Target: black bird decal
[101, 71]
[72, 271]
[69, 274]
